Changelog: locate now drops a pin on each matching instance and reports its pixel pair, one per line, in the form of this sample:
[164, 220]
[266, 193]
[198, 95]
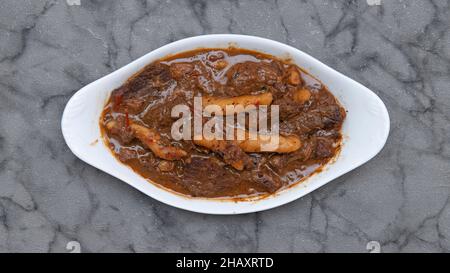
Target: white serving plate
[365, 129]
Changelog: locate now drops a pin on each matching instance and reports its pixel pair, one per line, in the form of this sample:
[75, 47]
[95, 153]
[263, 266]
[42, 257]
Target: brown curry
[136, 123]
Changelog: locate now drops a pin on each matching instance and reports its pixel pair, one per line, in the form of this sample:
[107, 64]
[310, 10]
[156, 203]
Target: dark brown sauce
[147, 98]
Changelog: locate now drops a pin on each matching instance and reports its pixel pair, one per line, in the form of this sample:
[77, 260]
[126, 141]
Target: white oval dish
[365, 129]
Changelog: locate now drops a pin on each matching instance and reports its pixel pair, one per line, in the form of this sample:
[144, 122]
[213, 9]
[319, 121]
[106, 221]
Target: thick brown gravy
[136, 123]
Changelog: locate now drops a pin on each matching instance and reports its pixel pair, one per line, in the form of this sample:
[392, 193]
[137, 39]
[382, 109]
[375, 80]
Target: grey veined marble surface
[48, 197]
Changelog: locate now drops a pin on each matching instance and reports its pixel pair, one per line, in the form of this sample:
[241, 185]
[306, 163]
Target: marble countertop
[398, 201]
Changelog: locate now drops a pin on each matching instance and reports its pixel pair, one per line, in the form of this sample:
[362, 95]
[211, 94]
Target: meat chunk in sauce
[137, 123]
[323, 117]
[217, 179]
[119, 128]
[251, 76]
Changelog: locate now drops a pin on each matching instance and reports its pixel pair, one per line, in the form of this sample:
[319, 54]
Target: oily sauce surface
[138, 115]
